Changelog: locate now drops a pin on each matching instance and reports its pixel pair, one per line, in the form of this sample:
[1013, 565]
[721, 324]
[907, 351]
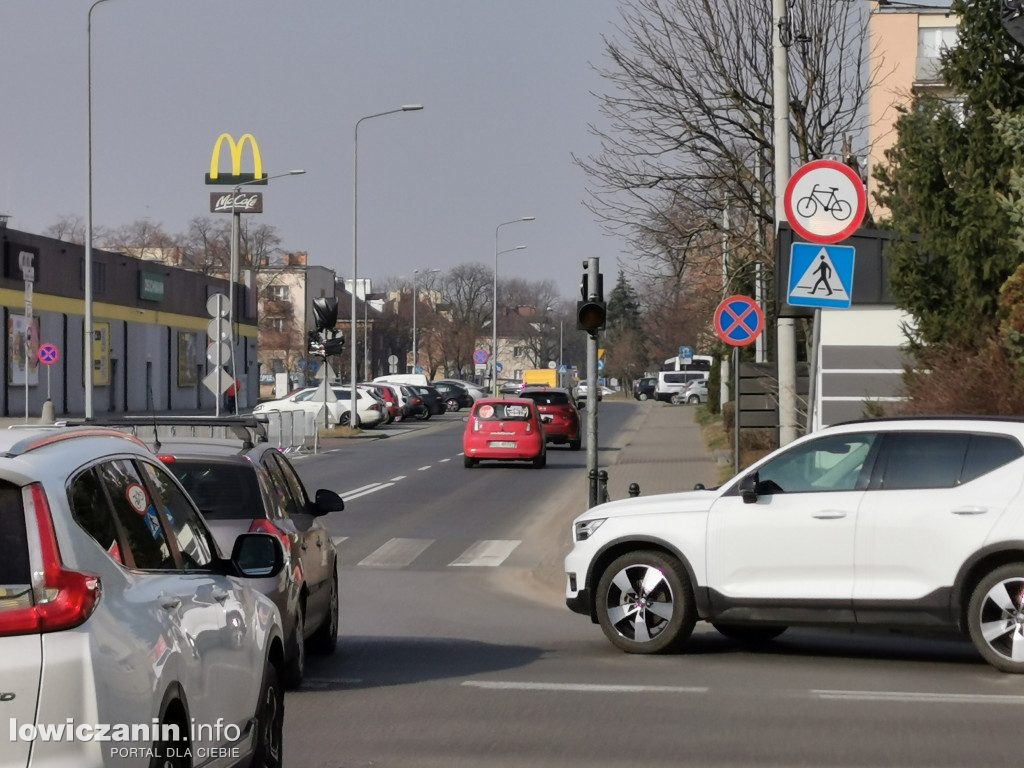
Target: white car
[118, 614]
[338, 411]
[896, 523]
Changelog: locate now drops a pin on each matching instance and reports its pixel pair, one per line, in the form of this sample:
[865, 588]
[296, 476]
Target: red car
[390, 398]
[504, 430]
[559, 404]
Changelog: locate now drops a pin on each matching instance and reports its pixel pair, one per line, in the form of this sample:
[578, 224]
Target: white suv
[126, 639]
[907, 523]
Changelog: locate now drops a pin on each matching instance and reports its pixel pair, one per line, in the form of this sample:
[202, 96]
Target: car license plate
[502, 444]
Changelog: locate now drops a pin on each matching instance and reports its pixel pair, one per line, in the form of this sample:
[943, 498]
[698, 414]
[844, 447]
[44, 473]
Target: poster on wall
[22, 350]
[101, 354]
[188, 359]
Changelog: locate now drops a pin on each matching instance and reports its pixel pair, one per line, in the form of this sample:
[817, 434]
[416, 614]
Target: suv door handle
[829, 514]
[170, 603]
[970, 511]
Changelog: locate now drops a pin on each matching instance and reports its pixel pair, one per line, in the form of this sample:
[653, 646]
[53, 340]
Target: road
[456, 648]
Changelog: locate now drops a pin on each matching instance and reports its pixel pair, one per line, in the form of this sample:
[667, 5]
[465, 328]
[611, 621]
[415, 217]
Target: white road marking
[443, 461]
[491, 552]
[370, 489]
[422, 468]
[396, 553]
[338, 539]
[345, 494]
[498, 685]
[396, 479]
[913, 696]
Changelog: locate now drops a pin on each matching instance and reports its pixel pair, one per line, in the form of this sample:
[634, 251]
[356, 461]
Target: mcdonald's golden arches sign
[236, 149]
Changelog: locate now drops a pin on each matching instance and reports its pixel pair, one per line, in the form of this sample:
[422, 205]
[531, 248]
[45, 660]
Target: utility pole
[591, 312]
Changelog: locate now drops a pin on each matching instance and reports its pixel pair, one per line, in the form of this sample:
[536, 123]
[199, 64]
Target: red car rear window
[503, 412]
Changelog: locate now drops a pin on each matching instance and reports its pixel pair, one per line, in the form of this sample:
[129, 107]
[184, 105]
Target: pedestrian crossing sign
[821, 275]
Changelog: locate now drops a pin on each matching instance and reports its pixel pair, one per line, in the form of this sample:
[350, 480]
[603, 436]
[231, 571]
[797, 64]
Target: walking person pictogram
[824, 272]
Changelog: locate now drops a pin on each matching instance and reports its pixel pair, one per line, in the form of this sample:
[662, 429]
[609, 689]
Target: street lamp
[415, 348]
[354, 417]
[494, 318]
[236, 236]
[87, 358]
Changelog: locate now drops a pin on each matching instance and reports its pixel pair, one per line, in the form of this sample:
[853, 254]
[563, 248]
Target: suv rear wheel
[645, 603]
[995, 618]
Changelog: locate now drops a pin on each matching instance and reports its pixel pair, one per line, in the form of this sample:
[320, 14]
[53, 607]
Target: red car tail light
[262, 525]
[61, 598]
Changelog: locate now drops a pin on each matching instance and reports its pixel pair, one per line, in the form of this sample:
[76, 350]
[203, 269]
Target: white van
[411, 379]
[673, 382]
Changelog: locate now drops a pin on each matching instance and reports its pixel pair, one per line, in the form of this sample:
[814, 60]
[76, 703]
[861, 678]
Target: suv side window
[988, 452]
[831, 463]
[91, 510]
[133, 507]
[923, 460]
[282, 492]
[298, 491]
[188, 530]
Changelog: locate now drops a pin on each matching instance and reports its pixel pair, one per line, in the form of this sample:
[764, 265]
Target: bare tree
[690, 110]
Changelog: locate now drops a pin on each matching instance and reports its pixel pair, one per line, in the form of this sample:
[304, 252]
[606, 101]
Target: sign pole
[736, 409]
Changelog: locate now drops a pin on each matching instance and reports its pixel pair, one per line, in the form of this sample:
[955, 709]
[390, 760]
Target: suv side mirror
[328, 501]
[257, 555]
[748, 488]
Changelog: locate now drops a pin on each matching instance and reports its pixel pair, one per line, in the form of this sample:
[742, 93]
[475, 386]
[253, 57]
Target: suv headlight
[584, 529]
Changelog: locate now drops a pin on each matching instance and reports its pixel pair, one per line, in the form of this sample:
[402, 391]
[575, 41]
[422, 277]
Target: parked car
[675, 382]
[389, 398]
[912, 523]
[643, 389]
[580, 393]
[510, 388]
[456, 397]
[118, 608]
[696, 392]
[308, 400]
[250, 486]
[504, 429]
[413, 406]
[475, 390]
[432, 399]
[564, 426]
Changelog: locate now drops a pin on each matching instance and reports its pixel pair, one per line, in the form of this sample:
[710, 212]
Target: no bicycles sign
[825, 201]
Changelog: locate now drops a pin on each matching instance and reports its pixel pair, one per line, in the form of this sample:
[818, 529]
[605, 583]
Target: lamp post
[354, 417]
[236, 237]
[415, 347]
[87, 357]
[494, 318]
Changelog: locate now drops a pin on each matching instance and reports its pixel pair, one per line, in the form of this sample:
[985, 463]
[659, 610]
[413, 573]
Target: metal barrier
[294, 431]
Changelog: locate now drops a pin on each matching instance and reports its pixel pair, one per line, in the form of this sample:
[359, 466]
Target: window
[932, 41]
[924, 460]
[988, 452]
[503, 412]
[91, 510]
[279, 292]
[15, 571]
[282, 491]
[831, 463]
[189, 532]
[136, 516]
[278, 324]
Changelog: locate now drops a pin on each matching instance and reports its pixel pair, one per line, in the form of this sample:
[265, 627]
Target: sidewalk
[661, 449]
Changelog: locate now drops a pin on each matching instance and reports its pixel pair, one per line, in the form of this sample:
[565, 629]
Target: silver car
[126, 638]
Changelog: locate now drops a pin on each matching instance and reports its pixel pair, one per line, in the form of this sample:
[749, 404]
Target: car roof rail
[250, 429]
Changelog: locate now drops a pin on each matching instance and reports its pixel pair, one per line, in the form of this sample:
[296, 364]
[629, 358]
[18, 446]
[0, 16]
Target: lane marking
[423, 468]
[396, 479]
[928, 698]
[488, 553]
[374, 489]
[338, 539]
[359, 489]
[396, 553]
[497, 685]
[443, 461]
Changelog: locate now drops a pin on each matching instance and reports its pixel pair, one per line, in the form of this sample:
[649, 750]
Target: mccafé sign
[236, 176]
[236, 202]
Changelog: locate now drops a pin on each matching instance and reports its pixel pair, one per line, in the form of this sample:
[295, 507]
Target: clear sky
[506, 87]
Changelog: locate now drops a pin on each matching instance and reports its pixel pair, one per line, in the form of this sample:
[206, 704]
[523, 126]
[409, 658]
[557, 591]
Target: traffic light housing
[592, 311]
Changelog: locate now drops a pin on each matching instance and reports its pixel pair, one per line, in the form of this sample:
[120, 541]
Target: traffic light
[334, 343]
[325, 312]
[592, 310]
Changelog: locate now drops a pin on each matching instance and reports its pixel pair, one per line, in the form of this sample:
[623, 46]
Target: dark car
[455, 397]
[643, 389]
[564, 425]
[413, 405]
[243, 484]
[432, 399]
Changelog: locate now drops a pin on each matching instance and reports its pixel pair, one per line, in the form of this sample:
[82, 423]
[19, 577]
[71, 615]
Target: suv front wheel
[995, 618]
[645, 603]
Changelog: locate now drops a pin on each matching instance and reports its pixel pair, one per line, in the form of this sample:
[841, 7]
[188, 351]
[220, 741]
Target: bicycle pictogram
[829, 202]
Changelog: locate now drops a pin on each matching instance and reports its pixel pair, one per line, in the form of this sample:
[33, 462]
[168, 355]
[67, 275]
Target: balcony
[277, 307]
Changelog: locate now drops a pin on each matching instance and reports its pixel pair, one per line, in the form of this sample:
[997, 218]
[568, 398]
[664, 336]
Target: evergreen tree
[624, 338]
[946, 181]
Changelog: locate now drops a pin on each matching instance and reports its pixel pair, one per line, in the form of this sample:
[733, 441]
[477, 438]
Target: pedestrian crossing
[402, 553]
